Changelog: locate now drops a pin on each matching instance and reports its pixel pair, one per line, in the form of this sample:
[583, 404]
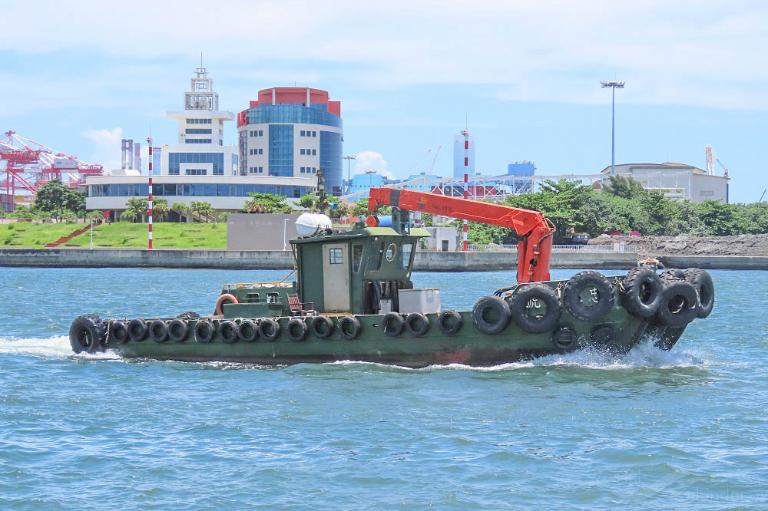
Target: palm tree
[202, 209]
[182, 210]
[137, 208]
[160, 209]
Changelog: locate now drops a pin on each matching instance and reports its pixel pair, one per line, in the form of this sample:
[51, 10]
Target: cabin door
[336, 277]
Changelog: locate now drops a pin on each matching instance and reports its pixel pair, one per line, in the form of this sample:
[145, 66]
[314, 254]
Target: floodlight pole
[613, 86]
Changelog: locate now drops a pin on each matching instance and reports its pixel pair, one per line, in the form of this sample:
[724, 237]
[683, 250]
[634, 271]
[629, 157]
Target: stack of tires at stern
[551, 317]
[668, 301]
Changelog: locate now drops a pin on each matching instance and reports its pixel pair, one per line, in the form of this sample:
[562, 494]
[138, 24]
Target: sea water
[648, 430]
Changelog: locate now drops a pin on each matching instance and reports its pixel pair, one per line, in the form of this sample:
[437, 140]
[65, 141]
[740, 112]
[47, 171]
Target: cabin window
[357, 257]
[335, 256]
[252, 297]
[272, 297]
[391, 252]
[407, 249]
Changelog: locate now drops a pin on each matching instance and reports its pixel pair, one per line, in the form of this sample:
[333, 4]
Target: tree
[183, 210]
[203, 210]
[55, 198]
[625, 187]
[160, 209]
[266, 203]
[309, 201]
[135, 209]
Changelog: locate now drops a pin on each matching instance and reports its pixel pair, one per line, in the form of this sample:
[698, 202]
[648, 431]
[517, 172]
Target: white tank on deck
[312, 224]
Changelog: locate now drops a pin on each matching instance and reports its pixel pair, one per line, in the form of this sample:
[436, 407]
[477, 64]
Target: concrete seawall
[275, 259]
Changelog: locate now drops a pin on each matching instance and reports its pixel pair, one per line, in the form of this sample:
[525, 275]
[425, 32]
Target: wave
[643, 355]
[47, 347]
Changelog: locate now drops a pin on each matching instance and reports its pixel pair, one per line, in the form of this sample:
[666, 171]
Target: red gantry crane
[29, 165]
[533, 229]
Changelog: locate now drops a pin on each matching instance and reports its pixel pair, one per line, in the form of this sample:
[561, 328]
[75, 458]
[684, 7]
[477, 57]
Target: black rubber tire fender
[417, 324]
[137, 330]
[579, 283]
[269, 329]
[296, 329]
[205, 331]
[248, 331]
[393, 324]
[158, 331]
[322, 327]
[228, 331]
[87, 333]
[679, 304]
[564, 338]
[642, 290]
[520, 303]
[178, 330]
[491, 315]
[350, 327]
[672, 274]
[603, 335]
[450, 322]
[701, 280]
[118, 332]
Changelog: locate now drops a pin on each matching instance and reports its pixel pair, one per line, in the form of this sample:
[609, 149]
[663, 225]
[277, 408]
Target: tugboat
[353, 299]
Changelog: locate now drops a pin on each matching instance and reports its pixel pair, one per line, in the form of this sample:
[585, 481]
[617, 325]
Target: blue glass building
[292, 132]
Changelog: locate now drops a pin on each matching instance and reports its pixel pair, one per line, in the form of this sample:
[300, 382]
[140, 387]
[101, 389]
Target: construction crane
[29, 165]
[725, 169]
[434, 159]
[533, 229]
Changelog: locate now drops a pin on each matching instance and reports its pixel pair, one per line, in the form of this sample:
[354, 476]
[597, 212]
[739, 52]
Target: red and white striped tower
[149, 197]
[465, 223]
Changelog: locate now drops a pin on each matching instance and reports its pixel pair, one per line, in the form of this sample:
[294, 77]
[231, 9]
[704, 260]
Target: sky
[525, 75]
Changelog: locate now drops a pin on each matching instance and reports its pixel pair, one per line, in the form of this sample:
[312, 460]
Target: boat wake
[47, 347]
[644, 355]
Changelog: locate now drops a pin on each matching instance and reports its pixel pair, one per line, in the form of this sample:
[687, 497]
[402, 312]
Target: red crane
[29, 165]
[533, 229]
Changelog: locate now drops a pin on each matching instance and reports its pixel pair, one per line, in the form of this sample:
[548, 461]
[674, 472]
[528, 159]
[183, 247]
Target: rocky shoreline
[741, 245]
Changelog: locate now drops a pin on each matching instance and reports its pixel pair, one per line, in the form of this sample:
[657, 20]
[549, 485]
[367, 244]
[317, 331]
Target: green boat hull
[617, 331]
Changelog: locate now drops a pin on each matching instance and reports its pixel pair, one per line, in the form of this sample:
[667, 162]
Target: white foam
[47, 347]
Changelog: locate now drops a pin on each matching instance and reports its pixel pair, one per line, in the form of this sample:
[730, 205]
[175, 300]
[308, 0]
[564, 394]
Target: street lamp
[613, 86]
[349, 159]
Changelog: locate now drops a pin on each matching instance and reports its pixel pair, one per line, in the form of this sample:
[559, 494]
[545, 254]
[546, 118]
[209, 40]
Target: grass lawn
[164, 235]
[29, 235]
[116, 235]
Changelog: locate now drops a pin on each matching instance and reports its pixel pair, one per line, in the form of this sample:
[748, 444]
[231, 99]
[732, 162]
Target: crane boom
[535, 232]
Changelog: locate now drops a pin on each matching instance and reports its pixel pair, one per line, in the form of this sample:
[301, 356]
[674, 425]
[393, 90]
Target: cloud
[367, 161]
[692, 52]
[106, 147]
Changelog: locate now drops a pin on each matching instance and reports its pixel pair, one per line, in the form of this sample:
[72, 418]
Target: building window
[199, 121]
[198, 141]
[335, 256]
[302, 133]
[195, 172]
[197, 131]
[281, 150]
[314, 152]
[215, 159]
